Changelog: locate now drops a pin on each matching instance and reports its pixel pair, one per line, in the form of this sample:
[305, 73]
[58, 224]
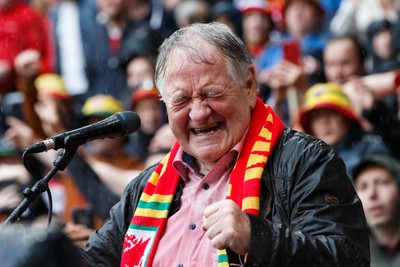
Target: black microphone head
[130, 122]
[119, 124]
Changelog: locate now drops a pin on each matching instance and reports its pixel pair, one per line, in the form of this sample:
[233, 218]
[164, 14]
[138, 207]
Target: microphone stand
[60, 163]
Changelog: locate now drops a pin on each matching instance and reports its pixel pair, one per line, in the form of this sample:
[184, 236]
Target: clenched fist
[227, 226]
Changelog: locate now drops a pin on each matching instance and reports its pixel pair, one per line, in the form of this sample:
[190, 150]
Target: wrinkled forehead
[197, 51]
[196, 55]
[191, 68]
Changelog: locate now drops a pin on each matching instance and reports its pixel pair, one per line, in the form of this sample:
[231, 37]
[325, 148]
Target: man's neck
[202, 167]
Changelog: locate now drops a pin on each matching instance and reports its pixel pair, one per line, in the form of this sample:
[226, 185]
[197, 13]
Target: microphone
[119, 124]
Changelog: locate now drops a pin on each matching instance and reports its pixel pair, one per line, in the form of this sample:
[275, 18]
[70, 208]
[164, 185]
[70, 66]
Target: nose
[199, 110]
[371, 192]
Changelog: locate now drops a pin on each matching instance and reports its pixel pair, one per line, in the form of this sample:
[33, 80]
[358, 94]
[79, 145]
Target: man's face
[301, 18]
[150, 113]
[383, 44]
[341, 61]
[256, 28]
[328, 125]
[208, 112]
[138, 70]
[379, 194]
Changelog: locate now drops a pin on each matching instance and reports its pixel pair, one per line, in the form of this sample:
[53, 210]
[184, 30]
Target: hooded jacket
[310, 214]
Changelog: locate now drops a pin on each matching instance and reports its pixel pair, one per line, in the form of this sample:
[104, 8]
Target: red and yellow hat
[248, 6]
[51, 85]
[101, 105]
[325, 96]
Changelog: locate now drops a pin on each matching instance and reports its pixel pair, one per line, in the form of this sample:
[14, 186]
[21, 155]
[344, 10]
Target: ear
[251, 86]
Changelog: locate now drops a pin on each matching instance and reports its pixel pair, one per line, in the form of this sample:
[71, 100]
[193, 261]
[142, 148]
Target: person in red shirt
[24, 43]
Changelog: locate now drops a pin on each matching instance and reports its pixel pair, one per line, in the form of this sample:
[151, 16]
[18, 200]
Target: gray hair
[216, 34]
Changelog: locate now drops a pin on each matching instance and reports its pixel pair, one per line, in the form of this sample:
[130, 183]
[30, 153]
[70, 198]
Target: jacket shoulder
[298, 151]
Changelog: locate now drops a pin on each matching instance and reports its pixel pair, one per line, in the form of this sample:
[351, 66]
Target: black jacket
[310, 214]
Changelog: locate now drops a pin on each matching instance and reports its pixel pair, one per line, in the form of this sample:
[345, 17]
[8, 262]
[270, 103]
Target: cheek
[316, 128]
[390, 196]
[177, 119]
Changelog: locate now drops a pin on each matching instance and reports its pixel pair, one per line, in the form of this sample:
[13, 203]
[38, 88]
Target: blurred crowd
[330, 68]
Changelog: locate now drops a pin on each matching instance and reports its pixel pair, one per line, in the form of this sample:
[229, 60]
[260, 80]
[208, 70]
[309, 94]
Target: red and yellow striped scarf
[147, 224]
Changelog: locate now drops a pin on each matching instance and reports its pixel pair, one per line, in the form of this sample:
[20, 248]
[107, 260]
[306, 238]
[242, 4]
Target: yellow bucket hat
[52, 85]
[327, 96]
[101, 105]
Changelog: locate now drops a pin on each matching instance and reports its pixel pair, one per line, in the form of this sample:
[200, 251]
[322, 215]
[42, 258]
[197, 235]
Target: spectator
[354, 16]
[296, 63]
[344, 58]
[383, 54]
[137, 56]
[327, 115]
[139, 70]
[101, 169]
[147, 104]
[24, 53]
[344, 61]
[303, 19]
[377, 182]
[24, 44]
[105, 73]
[54, 111]
[257, 27]
[52, 107]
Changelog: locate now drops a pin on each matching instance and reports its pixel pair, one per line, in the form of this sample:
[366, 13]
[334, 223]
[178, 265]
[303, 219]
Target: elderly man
[238, 188]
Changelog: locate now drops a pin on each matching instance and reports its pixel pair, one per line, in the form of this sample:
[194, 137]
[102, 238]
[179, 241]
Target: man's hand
[227, 226]
[77, 233]
[27, 63]
[20, 133]
[50, 117]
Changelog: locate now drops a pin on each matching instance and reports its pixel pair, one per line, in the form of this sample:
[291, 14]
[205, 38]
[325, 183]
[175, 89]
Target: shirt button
[192, 226]
[206, 186]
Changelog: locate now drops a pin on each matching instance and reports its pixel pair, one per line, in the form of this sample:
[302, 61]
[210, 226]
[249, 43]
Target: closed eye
[179, 101]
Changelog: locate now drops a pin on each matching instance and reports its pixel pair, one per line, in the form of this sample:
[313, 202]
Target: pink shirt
[184, 242]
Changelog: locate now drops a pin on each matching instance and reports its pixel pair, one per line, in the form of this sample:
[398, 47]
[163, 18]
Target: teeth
[209, 130]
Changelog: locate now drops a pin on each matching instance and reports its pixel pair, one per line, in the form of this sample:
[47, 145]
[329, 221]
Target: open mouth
[208, 130]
